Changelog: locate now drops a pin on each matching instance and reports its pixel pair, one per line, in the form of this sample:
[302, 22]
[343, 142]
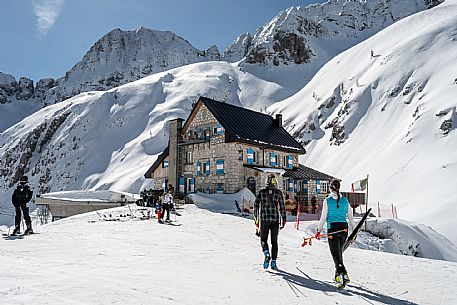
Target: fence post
[379, 211]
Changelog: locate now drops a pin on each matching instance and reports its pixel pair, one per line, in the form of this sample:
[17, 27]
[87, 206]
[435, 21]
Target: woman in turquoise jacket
[335, 211]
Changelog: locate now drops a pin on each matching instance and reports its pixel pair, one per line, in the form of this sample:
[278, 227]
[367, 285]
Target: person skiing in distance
[21, 196]
[335, 210]
[270, 216]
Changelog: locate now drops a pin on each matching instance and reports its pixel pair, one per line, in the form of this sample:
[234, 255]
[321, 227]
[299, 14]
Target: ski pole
[309, 240]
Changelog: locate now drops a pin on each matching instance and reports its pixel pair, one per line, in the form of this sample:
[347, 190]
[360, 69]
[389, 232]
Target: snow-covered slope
[119, 57]
[304, 38]
[209, 259]
[387, 107]
[108, 139]
[310, 36]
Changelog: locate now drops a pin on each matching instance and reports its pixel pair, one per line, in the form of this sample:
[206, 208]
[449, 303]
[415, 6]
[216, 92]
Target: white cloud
[46, 12]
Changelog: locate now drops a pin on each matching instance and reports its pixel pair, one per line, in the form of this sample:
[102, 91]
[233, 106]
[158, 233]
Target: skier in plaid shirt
[270, 204]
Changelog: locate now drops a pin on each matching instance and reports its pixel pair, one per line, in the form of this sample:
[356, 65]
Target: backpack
[22, 194]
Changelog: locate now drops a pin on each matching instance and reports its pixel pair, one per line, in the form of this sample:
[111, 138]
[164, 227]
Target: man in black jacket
[21, 196]
[270, 216]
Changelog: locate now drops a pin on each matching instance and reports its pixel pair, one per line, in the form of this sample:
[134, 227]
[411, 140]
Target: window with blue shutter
[219, 189]
[305, 186]
[181, 184]
[318, 186]
[220, 130]
[207, 133]
[207, 170]
[250, 156]
[273, 158]
[289, 161]
[199, 134]
[199, 168]
[219, 166]
[291, 185]
[295, 185]
[192, 185]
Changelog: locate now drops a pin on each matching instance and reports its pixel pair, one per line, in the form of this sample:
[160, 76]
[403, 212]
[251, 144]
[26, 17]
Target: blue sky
[45, 38]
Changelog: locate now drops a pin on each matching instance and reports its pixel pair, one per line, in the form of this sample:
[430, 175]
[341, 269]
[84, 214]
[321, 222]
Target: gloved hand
[256, 221]
[283, 223]
[318, 235]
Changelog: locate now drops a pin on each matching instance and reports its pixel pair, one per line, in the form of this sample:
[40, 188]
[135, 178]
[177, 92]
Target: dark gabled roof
[156, 164]
[244, 125]
[303, 172]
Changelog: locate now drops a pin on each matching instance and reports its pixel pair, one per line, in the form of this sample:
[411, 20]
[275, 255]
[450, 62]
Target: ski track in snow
[211, 259]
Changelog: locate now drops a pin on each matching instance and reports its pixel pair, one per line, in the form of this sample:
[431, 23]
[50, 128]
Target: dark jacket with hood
[21, 195]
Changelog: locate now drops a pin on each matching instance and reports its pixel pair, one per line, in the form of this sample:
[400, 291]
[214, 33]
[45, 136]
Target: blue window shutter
[199, 133]
[219, 189]
[181, 184]
[198, 168]
[318, 186]
[207, 168]
[207, 133]
[250, 156]
[220, 130]
[272, 159]
[219, 166]
[289, 161]
[192, 185]
[295, 185]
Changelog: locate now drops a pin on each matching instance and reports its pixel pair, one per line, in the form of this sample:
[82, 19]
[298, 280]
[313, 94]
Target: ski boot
[273, 265]
[29, 230]
[343, 280]
[346, 278]
[266, 262]
[17, 230]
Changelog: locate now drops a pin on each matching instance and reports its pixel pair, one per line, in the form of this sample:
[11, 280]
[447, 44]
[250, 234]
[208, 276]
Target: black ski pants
[165, 207]
[267, 227]
[336, 244]
[22, 208]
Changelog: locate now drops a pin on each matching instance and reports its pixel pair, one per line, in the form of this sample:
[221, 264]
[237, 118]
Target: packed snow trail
[211, 259]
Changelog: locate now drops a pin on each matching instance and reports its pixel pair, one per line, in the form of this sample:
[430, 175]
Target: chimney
[278, 120]
[174, 131]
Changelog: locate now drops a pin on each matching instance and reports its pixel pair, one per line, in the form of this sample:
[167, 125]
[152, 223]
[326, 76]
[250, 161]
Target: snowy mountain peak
[296, 34]
[121, 56]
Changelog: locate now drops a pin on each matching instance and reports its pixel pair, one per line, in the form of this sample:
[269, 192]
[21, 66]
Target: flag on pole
[360, 185]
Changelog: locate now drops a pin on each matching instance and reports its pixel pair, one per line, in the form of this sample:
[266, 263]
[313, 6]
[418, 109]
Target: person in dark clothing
[335, 210]
[313, 204]
[270, 217]
[21, 196]
[167, 205]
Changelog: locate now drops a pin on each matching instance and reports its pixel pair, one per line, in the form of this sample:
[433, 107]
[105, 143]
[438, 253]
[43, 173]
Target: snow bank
[404, 237]
[102, 196]
[224, 203]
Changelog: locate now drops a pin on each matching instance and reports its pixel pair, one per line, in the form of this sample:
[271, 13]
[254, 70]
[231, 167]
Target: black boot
[17, 230]
[29, 229]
